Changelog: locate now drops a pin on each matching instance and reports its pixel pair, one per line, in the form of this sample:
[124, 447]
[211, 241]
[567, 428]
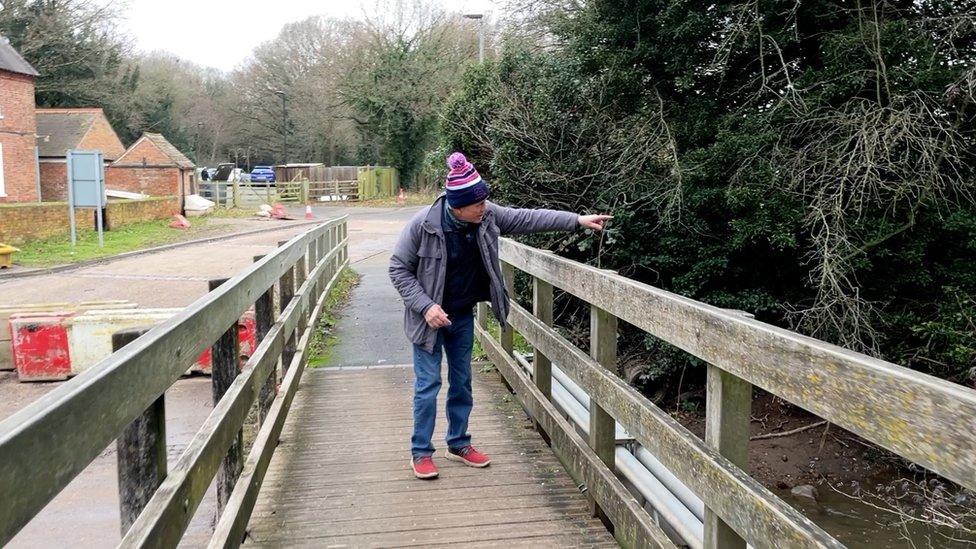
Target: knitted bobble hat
[464, 185]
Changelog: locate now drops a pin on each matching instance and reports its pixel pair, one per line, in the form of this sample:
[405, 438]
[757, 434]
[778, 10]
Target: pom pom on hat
[456, 161]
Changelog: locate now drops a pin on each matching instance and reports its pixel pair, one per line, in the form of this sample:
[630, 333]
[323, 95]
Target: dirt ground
[824, 452]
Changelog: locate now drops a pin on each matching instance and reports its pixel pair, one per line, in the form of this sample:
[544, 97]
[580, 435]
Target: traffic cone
[401, 198]
[308, 212]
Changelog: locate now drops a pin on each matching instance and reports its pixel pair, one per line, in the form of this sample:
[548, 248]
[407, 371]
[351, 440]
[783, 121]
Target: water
[858, 524]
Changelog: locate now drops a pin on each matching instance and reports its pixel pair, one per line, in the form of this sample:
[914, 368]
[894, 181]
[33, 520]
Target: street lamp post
[284, 127]
[481, 33]
[196, 143]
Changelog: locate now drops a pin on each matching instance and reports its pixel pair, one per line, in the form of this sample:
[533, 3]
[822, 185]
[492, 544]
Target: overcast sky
[222, 33]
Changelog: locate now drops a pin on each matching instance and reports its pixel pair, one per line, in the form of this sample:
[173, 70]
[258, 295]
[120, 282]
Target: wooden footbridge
[593, 463]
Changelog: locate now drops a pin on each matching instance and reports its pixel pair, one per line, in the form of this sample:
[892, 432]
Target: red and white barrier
[90, 333]
[247, 343]
[6, 352]
[39, 345]
[55, 345]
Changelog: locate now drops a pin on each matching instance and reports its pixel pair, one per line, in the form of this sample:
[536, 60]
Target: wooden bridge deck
[341, 477]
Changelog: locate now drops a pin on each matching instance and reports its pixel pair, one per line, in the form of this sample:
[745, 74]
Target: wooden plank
[141, 451]
[410, 528]
[303, 502]
[728, 411]
[263, 319]
[752, 510]
[171, 508]
[86, 413]
[421, 536]
[633, 526]
[229, 531]
[329, 510]
[922, 418]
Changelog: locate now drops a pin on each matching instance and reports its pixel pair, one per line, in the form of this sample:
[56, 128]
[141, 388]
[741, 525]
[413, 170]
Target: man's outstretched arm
[525, 221]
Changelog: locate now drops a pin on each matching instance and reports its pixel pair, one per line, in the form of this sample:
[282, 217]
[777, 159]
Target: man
[445, 262]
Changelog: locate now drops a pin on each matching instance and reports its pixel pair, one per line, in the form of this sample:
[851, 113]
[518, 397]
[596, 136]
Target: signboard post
[86, 188]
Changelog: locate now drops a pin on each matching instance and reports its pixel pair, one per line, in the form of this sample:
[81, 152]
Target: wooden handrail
[927, 420]
[50, 441]
[740, 500]
[230, 529]
[168, 513]
[633, 526]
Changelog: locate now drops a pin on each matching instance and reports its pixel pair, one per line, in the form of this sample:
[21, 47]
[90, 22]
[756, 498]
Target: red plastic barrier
[39, 344]
[247, 338]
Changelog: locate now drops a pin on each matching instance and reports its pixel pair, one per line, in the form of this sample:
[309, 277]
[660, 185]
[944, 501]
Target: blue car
[263, 174]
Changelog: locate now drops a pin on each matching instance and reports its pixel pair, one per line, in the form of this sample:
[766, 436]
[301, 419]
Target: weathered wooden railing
[926, 420]
[45, 445]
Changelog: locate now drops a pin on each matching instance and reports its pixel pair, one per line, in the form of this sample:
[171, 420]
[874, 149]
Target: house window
[3, 190]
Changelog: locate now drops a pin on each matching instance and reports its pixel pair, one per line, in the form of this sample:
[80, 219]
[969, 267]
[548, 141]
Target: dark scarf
[452, 222]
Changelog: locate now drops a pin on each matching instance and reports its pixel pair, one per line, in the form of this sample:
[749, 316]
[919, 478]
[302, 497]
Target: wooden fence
[927, 420]
[48, 443]
[369, 183]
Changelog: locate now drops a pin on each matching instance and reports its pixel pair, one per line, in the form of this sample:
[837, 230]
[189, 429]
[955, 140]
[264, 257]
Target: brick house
[62, 129]
[18, 163]
[153, 166]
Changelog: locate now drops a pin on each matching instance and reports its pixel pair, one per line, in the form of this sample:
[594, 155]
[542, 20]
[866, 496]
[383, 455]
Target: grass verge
[59, 251]
[324, 338]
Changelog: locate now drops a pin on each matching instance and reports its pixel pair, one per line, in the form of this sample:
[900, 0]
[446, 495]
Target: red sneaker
[469, 456]
[423, 467]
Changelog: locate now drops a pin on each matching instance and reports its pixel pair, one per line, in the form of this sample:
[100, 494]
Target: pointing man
[445, 262]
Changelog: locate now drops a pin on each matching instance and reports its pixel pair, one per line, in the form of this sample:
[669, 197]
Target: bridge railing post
[301, 269]
[264, 317]
[286, 291]
[323, 250]
[728, 409]
[508, 334]
[141, 451]
[225, 363]
[603, 349]
[541, 365]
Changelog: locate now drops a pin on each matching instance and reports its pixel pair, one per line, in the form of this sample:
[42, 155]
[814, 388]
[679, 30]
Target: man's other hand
[436, 317]
[594, 222]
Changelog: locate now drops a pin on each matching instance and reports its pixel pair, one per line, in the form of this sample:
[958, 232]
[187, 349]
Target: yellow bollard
[5, 252]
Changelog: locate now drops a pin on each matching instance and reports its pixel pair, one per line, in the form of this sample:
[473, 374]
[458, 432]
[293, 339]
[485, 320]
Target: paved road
[85, 514]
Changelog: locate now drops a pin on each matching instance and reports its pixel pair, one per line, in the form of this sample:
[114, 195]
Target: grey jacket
[419, 263]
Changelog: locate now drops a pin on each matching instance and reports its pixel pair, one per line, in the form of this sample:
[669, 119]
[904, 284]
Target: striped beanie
[464, 184]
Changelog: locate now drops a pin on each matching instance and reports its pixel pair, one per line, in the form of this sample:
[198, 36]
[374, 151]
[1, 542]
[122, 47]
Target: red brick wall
[148, 180]
[125, 212]
[17, 129]
[151, 181]
[145, 152]
[101, 137]
[22, 223]
[54, 181]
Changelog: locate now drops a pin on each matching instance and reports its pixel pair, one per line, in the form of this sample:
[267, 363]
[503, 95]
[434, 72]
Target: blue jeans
[457, 340]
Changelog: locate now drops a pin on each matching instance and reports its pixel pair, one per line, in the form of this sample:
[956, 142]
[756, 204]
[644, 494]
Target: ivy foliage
[811, 163]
